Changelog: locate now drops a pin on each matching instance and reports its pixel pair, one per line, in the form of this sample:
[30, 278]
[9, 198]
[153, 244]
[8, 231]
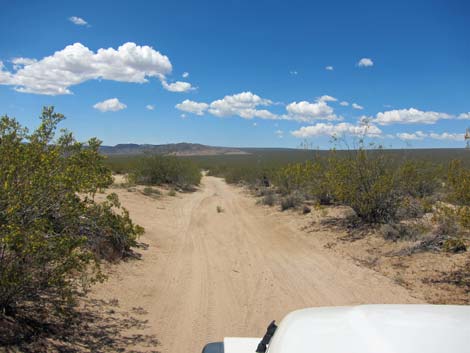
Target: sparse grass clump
[400, 231]
[269, 199]
[149, 191]
[219, 209]
[291, 201]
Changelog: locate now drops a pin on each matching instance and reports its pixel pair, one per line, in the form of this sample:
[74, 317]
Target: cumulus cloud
[405, 136]
[178, 86]
[409, 116]
[279, 133]
[307, 111]
[75, 64]
[420, 135]
[464, 116]
[447, 136]
[18, 63]
[329, 129]
[185, 75]
[78, 21]
[344, 103]
[243, 104]
[192, 107]
[329, 68]
[365, 62]
[248, 105]
[150, 107]
[326, 98]
[357, 106]
[110, 105]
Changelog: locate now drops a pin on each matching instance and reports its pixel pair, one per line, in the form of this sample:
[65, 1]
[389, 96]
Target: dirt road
[207, 274]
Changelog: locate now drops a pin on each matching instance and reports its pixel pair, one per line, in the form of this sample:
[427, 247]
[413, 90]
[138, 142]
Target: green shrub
[291, 201]
[419, 178]
[309, 178]
[52, 232]
[410, 207]
[459, 182]
[157, 170]
[446, 219]
[454, 245]
[367, 183]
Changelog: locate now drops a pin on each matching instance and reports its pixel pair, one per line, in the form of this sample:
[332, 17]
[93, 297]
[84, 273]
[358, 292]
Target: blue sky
[259, 73]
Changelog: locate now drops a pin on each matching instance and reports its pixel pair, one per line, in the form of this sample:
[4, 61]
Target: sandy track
[207, 275]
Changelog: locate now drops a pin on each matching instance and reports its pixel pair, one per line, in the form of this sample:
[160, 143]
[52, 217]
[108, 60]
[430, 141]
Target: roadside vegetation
[168, 170]
[420, 204]
[53, 233]
[152, 170]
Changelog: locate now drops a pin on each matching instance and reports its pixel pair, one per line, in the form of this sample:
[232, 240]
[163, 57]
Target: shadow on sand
[97, 326]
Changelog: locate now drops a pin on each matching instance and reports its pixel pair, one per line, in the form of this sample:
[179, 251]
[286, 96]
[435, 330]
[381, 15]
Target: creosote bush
[379, 186]
[157, 170]
[53, 233]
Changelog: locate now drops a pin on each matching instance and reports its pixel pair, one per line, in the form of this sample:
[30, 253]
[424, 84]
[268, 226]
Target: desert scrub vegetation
[150, 191]
[380, 185]
[53, 234]
[157, 170]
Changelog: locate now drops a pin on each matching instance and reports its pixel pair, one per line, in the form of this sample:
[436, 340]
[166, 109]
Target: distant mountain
[176, 149]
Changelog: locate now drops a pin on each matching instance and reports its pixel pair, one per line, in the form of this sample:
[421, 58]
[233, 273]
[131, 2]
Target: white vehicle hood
[240, 344]
[374, 329]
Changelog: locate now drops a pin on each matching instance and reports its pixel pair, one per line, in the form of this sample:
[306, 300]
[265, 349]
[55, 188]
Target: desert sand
[209, 274]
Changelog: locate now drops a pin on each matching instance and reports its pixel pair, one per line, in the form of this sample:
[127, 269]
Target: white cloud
[418, 135]
[255, 124]
[192, 107]
[447, 136]
[185, 75]
[150, 107]
[279, 133]
[328, 129]
[18, 63]
[329, 68]
[247, 105]
[177, 86]
[78, 21]
[409, 116]
[365, 62]
[75, 64]
[243, 104]
[357, 106]
[110, 105]
[294, 73]
[464, 116]
[326, 98]
[344, 103]
[307, 111]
